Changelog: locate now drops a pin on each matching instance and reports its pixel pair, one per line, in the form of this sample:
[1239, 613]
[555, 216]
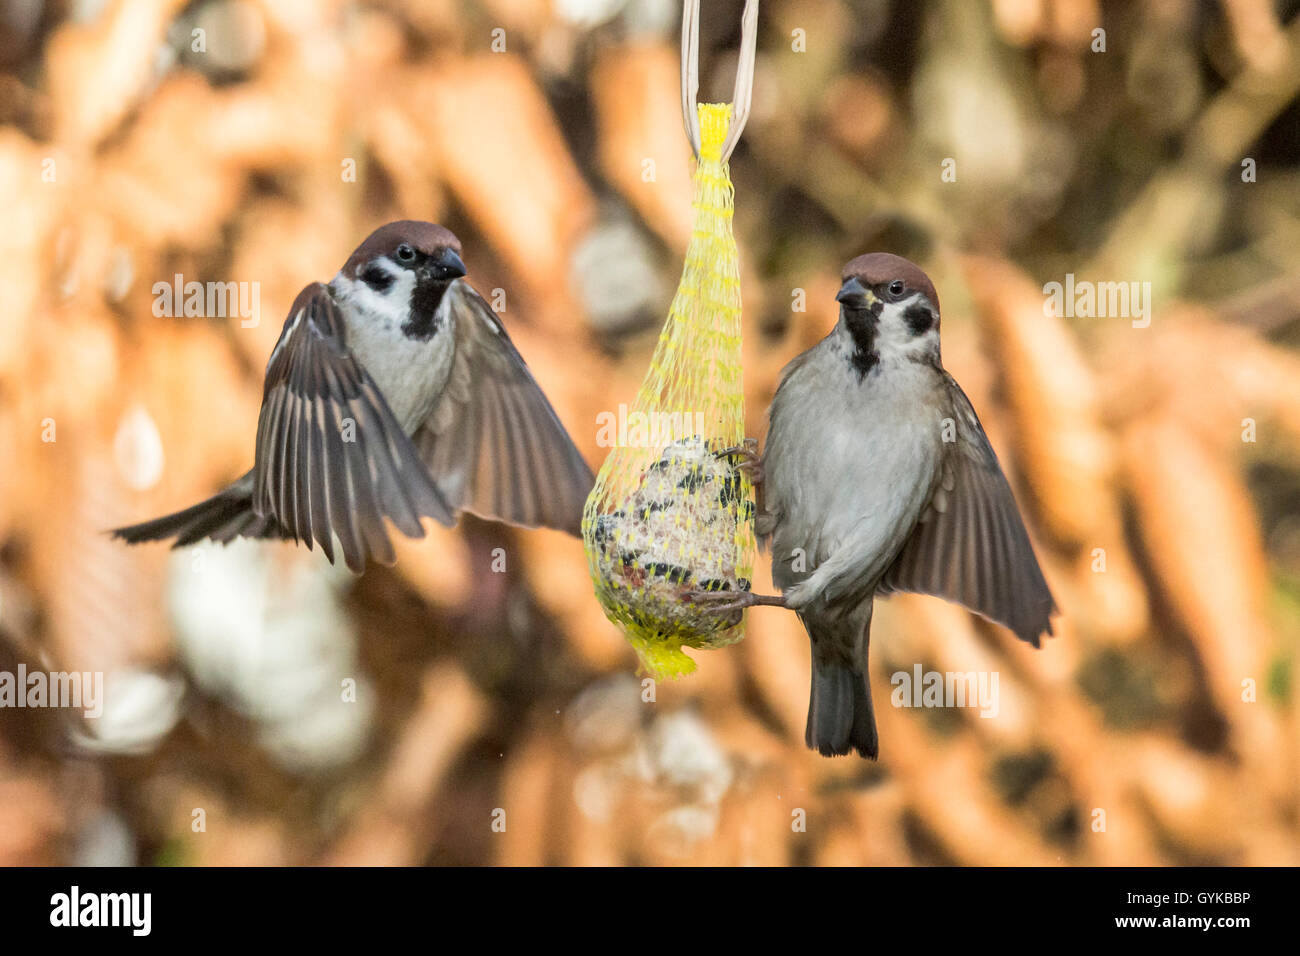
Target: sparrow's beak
[855, 295]
[445, 265]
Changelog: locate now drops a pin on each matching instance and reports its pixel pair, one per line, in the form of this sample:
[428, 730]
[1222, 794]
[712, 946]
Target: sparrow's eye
[405, 253]
[896, 287]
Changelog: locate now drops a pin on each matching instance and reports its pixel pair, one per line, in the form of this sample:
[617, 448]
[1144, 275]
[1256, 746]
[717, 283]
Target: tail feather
[225, 516]
[840, 716]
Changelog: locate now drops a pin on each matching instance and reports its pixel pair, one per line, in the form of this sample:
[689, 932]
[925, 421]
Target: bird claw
[749, 460]
[720, 602]
[724, 602]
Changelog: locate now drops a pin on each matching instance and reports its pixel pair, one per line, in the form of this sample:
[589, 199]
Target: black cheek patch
[919, 318]
[379, 279]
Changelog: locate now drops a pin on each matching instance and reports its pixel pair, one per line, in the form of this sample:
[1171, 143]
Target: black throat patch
[425, 299]
[862, 325]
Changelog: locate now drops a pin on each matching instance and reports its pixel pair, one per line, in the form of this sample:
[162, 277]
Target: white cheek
[390, 304]
[895, 338]
[410, 373]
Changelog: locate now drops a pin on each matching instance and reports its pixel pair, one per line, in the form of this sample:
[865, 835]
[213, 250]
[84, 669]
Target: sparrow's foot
[723, 602]
[747, 459]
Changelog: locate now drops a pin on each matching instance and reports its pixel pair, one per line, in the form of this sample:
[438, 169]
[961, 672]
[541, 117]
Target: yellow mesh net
[671, 512]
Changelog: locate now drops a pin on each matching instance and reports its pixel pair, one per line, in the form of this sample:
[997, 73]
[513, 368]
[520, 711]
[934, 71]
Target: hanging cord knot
[714, 120]
[741, 97]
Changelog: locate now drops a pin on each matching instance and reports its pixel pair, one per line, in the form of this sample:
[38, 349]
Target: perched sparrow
[877, 477]
[393, 392]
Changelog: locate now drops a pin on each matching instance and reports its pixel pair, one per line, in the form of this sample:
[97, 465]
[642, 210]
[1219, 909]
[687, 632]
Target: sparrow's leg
[721, 602]
[749, 460]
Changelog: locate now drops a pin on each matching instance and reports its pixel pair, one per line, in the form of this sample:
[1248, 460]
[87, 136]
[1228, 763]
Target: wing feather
[971, 545]
[309, 477]
[493, 443]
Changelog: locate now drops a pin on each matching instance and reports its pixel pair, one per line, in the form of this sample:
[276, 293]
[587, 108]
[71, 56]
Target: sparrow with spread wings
[878, 477]
[393, 393]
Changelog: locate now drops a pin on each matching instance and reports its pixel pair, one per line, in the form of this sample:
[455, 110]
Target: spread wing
[332, 461]
[493, 443]
[970, 545]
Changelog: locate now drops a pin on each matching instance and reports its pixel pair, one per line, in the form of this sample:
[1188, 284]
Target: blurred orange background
[264, 708]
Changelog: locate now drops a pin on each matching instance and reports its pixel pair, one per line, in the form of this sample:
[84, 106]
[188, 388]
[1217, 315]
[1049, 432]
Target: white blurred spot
[104, 840]
[275, 644]
[657, 17]
[677, 831]
[588, 13]
[681, 752]
[140, 708]
[121, 273]
[606, 715]
[597, 791]
[138, 450]
[615, 277]
[236, 35]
